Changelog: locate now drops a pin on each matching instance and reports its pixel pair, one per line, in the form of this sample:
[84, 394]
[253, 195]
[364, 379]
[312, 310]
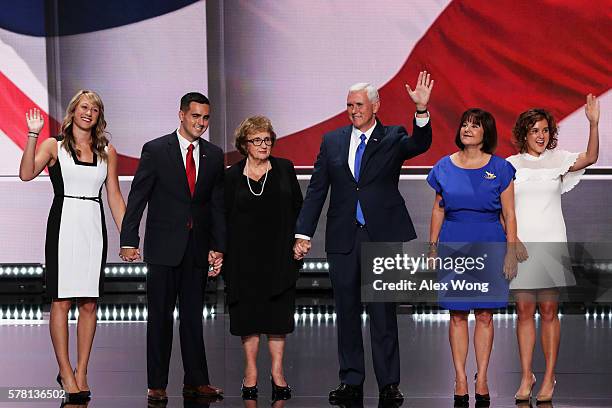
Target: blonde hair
[98, 136]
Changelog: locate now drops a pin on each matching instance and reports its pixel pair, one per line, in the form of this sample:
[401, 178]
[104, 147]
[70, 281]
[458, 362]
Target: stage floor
[117, 371]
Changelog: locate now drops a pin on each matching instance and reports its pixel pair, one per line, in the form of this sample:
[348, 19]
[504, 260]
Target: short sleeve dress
[540, 182]
[471, 199]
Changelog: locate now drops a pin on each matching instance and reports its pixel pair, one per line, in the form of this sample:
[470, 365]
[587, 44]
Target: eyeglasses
[258, 141]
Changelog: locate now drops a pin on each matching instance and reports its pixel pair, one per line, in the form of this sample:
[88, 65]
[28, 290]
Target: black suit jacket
[161, 182]
[383, 206]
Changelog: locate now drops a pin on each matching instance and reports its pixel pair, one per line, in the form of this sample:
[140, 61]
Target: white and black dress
[76, 242]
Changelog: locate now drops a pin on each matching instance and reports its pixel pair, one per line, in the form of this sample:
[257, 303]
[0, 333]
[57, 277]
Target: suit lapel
[345, 142]
[373, 145]
[176, 161]
[202, 165]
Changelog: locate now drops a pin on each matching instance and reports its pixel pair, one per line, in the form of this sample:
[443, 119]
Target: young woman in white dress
[543, 174]
[80, 162]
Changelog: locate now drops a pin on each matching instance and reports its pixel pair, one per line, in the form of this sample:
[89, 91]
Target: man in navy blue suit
[361, 163]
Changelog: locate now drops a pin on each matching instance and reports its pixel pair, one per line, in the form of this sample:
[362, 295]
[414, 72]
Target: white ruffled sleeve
[569, 179]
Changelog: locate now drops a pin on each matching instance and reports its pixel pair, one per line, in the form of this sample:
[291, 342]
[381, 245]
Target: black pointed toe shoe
[280, 393]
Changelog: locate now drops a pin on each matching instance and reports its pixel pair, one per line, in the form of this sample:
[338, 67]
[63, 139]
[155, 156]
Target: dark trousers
[345, 274]
[164, 284]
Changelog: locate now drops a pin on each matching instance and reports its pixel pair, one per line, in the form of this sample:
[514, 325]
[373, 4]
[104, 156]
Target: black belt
[96, 199]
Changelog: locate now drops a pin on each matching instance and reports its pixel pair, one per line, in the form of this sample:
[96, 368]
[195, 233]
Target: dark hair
[486, 121]
[250, 126]
[525, 122]
[193, 97]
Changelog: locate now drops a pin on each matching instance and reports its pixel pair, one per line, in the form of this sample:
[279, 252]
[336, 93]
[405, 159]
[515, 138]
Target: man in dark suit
[180, 178]
[361, 163]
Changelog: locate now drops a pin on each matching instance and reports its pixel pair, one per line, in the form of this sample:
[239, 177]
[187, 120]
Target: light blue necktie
[358, 156]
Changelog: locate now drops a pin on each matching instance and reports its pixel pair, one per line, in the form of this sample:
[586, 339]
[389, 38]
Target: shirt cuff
[306, 237]
[421, 122]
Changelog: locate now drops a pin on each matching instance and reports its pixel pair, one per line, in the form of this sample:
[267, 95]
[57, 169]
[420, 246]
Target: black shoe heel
[482, 400]
[70, 397]
[86, 394]
[461, 400]
[280, 393]
[248, 393]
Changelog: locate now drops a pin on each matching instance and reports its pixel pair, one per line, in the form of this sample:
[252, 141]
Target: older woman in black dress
[263, 199]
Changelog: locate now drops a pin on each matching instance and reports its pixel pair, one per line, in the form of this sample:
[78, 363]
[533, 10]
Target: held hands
[129, 254]
[215, 260]
[591, 109]
[35, 121]
[301, 248]
[422, 91]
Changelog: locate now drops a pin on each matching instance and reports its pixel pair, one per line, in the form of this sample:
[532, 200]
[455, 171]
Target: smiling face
[538, 137]
[194, 121]
[86, 114]
[361, 111]
[471, 133]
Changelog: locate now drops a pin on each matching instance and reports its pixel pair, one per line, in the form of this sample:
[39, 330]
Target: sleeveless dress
[471, 199]
[540, 182]
[76, 242]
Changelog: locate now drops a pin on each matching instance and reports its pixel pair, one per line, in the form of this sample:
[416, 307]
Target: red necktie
[190, 169]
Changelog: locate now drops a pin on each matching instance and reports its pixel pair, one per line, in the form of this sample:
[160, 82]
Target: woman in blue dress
[473, 189]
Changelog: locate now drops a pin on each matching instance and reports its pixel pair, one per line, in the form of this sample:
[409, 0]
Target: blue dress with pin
[471, 199]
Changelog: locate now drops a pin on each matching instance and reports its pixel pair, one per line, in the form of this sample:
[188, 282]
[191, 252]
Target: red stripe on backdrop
[13, 106]
[503, 56]
[14, 103]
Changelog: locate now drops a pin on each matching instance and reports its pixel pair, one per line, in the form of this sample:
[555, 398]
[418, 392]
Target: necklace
[249, 181]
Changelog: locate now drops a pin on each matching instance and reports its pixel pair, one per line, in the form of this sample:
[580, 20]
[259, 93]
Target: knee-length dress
[259, 269]
[471, 199]
[76, 242]
[540, 182]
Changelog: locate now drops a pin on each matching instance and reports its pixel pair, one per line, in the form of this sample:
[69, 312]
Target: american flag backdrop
[292, 61]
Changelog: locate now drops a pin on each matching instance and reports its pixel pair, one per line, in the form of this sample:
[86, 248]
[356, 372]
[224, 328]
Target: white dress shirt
[184, 145]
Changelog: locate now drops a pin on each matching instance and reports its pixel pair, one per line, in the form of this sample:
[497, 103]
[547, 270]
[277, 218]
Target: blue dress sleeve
[506, 175]
[432, 179]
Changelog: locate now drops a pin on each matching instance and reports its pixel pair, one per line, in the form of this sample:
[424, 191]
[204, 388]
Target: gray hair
[369, 88]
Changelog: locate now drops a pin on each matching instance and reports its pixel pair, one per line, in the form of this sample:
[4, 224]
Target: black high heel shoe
[86, 393]
[482, 400]
[280, 393]
[248, 393]
[71, 397]
[460, 400]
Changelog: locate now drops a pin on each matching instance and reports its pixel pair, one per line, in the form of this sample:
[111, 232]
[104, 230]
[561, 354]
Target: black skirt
[273, 315]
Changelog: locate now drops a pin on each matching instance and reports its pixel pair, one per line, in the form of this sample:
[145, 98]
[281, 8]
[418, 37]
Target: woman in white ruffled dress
[543, 174]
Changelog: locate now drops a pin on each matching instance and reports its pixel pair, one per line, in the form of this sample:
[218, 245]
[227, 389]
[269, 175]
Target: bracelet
[421, 111]
[33, 135]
